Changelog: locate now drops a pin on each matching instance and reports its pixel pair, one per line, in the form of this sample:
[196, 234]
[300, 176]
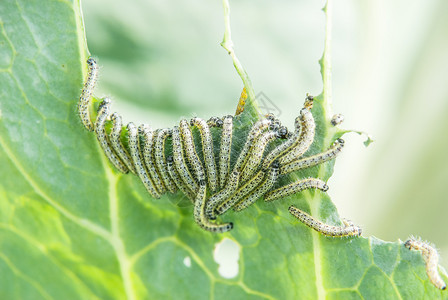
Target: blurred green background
[162, 60]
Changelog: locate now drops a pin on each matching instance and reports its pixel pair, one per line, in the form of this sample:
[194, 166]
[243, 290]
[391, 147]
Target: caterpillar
[100, 131]
[117, 145]
[134, 147]
[256, 153]
[159, 155]
[239, 194]
[349, 229]
[306, 137]
[166, 160]
[314, 160]
[262, 188]
[207, 149]
[431, 258]
[226, 147]
[148, 137]
[180, 161]
[177, 180]
[296, 187]
[86, 94]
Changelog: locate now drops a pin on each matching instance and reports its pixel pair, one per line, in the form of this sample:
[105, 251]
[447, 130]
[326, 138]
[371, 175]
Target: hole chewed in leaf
[226, 255]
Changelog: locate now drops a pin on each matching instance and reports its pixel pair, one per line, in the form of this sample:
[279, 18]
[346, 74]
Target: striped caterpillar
[349, 229]
[166, 160]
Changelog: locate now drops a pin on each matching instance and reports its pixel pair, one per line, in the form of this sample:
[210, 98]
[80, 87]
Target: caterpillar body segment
[148, 138]
[160, 159]
[221, 196]
[100, 131]
[308, 127]
[190, 150]
[266, 185]
[180, 161]
[314, 160]
[199, 213]
[207, 150]
[215, 122]
[117, 145]
[224, 152]
[296, 187]
[243, 191]
[283, 148]
[255, 131]
[136, 157]
[177, 180]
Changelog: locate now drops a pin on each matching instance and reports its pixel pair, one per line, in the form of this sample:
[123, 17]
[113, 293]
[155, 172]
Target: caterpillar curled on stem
[256, 154]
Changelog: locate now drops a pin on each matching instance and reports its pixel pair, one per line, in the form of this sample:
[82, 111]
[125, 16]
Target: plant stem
[227, 44]
[325, 61]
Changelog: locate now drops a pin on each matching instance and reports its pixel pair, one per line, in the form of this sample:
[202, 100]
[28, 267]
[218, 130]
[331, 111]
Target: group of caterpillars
[214, 186]
[217, 187]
